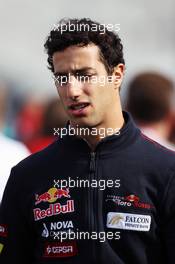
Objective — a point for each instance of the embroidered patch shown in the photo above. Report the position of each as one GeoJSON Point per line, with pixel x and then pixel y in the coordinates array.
{"type": "Point", "coordinates": [131, 200]}
{"type": "Point", "coordinates": [60, 249]}
{"type": "Point", "coordinates": [52, 229]}
{"type": "Point", "coordinates": [1, 247]}
{"type": "Point", "coordinates": [52, 195]}
{"type": "Point", "coordinates": [54, 209]}
{"type": "Point", "coordinates": [128, 221]}
{"type": "Point", "coordinates": [3, 230]}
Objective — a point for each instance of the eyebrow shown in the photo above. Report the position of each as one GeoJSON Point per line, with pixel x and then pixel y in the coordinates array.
{"type": "Point", "coordinates": [74, 71]}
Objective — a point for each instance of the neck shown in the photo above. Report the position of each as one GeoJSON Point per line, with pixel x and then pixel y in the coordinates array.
{"type": "Point", "coordinates": [112, 124]}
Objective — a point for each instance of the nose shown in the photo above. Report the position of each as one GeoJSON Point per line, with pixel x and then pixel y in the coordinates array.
{"type": "Point", "coordinates": [74, 88]}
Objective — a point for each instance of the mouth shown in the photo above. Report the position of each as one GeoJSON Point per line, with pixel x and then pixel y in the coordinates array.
{"type": "Point", "coordinates": [79, 108]}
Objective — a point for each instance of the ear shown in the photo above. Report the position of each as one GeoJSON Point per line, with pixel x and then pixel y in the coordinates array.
{"type": "Point", "coordinates": [118, 74]}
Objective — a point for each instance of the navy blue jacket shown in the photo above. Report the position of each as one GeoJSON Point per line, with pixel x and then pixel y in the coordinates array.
{"type": "Point", "coordinates": [125, 206]}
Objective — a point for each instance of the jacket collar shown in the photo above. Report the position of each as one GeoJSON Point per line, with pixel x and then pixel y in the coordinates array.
{"type": "Point", "coordinates": [108, 145]}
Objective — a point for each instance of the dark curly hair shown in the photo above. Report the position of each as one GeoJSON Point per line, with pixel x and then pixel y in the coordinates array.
{"type": "Point", "coordinates": [109, 43]}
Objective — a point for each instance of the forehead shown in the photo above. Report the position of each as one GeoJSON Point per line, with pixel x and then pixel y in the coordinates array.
{"type": "Point", "coordinates": [75, 57]}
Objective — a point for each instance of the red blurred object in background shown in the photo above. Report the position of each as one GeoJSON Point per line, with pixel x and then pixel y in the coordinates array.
{"type": "Point", "coordinates": [29, 121]}
{"type": "Point", "coordinates": [36, 123]}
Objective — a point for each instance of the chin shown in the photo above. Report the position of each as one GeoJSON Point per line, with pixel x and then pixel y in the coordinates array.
{"type": "Point", "coordinates": [82, 122]}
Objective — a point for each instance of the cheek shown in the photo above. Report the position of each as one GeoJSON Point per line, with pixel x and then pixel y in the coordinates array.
{"type": "Point", "coordinates": [88, 90]}
{"type": "Point", "coordinates": [62, 98]}
{"type": "Point", "coordinates": [61, 94]}
{"type": "Point", "coordinates": [105, 95]}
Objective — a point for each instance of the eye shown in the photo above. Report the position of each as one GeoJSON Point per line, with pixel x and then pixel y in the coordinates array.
{"type": "Point", "coordinates": [84, 77]}
{"type": "Point", "coordinates": [60, 80]}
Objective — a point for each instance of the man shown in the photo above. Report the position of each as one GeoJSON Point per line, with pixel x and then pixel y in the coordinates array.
{"type": "Point", "coordinates": [118, 189]}
{"type": "Point", "coordinates": [150, 97]}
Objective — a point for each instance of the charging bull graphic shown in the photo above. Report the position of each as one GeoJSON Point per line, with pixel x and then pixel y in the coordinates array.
{"type": "Point", "coordinates": [52, 195]}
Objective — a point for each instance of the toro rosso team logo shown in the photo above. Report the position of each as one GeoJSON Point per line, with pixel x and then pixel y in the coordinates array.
{"type": "Point", "coordinates": [52, 195]}
{"type": "Point", "coordinates": [131, 200]}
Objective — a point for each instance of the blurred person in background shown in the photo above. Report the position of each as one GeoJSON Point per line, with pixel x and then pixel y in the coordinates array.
{"type": "Point", "coordinates": [11, 151]}
{"type": "Point", "coordinates": [150, 103]}
{"type": "Point", "coordinates": [54, 116]}
{"type": "Point", "coordinates": [29, 120]}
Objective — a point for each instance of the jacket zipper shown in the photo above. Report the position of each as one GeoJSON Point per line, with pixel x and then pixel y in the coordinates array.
{"type": "Point", "coordinates": [92, 203]}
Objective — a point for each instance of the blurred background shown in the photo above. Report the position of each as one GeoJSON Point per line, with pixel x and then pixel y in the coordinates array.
{"type": "Point", "coordinates": [29, 106]}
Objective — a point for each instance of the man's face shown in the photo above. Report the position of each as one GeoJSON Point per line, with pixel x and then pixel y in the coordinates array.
{"type": "Point", "coordinates": [87, 99]}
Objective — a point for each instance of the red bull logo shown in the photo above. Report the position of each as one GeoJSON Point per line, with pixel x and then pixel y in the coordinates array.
{"type": "Point", "coordinates": [54, 209]}
{"type": "Point", "coordinates": [52, 195]}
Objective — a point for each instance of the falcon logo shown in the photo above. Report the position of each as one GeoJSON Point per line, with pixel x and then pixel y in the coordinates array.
{"type": "Point", "coordinates": [115, 219]}
{"type": "Point", "coordinates": [128, 221]}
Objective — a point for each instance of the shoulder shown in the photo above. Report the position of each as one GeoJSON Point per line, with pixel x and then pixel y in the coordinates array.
{"type": "Point", "coordinates": [32, 169]}
{"type": "Point", "coordinates": [40, 158]}
{"type": "Point", "coordinates": [156, 154]}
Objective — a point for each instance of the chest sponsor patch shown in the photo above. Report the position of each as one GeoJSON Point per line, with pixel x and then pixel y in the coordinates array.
{"type": "Point", "coordinates": [135, 222]}
{"type": "Point", "coordinates": [52, 195]}
{"type": "Point", "coordinates": [52, 229]}
{"type": "Point", "coordinates": [131, 200]}
{"type": "Point", "coordinates": [60, 249]}
{"type": "Point", "coordinates": [3, 230]}
{"type": "Point", "coordinates": [1, 247]}
{"type": "Point", "coordinates": [54, 209]}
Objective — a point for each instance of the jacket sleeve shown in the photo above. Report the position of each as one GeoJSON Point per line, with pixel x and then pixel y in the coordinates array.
{"type": "Point", "coordinates": [169, 220]}
{"type": "Point", "coordinates": [16, 241]}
